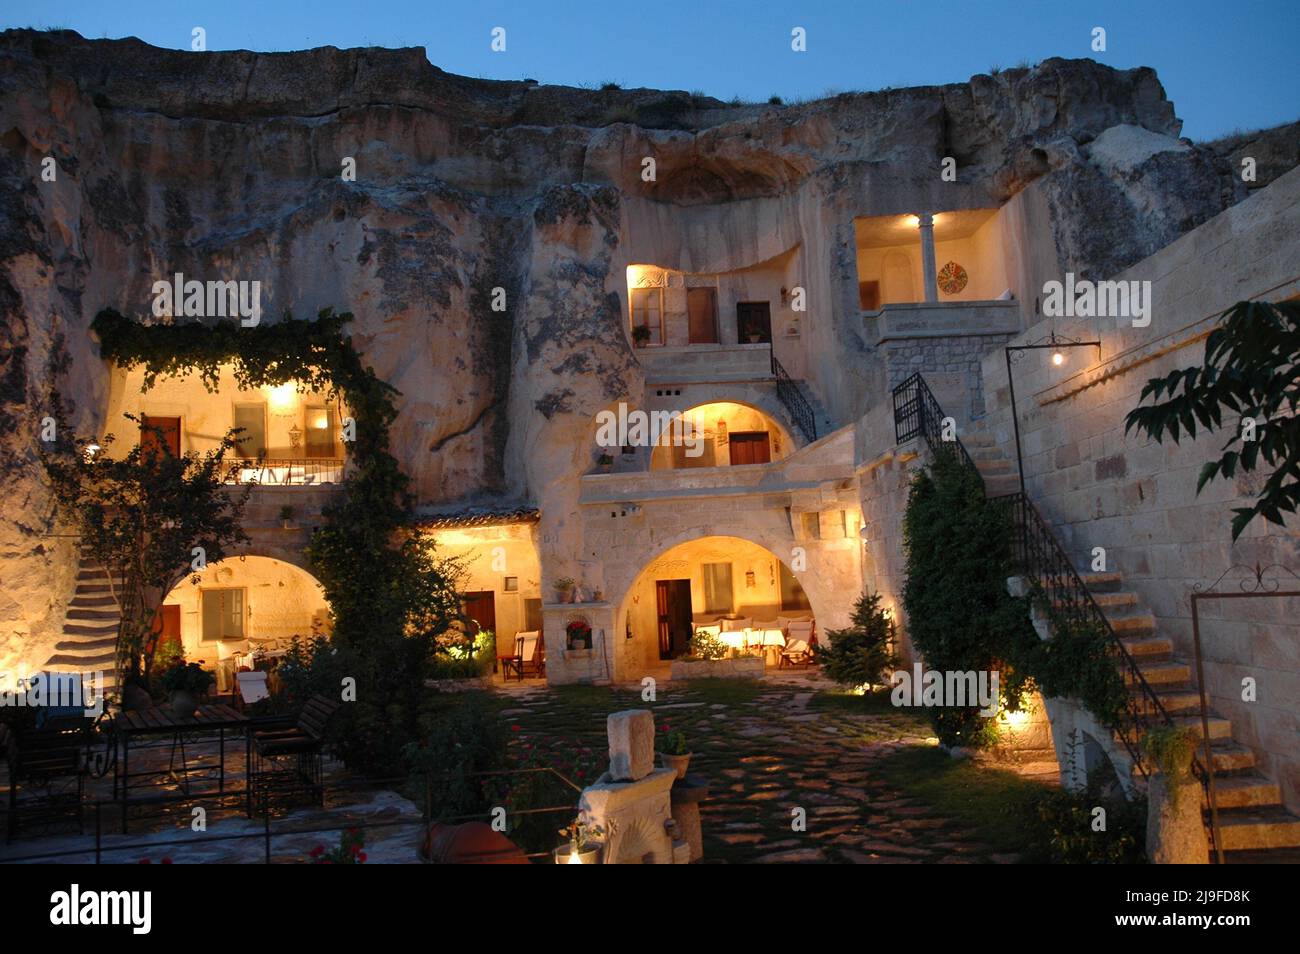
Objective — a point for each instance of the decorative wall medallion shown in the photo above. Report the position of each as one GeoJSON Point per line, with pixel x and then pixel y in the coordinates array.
{"type": "Point", "coordinates": [952, 278]}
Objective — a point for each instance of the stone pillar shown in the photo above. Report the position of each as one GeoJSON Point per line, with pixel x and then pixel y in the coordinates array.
{"type": "Point", "coordinates": [928, 272]}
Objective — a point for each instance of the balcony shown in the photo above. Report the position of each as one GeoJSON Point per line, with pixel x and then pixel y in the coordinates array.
{"type": "Point", "coordinates": [289, 472]}
{"type": "Point", "coordinates": [701, 363]}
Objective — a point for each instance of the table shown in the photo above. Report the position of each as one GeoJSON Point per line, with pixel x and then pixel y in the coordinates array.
{"type": "Point", "coordinates": [161, 721]}
{"type": "Point", "coordinates": [744, 638]}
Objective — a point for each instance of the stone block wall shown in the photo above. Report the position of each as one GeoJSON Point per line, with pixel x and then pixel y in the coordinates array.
{"type": "Point", "coordinates": [1100, 487]}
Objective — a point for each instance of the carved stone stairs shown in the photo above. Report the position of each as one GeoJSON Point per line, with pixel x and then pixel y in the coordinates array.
{"type": "Point", "coordinates": [1251, 815]}
{"type": "Point", "coordinates": [1253, 824]}
{"type": "Point", "coordinates": [89, 642]}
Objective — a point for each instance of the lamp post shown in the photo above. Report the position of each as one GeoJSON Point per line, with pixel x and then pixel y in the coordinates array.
{"type": "Point", "coordinates": [1057, 346]}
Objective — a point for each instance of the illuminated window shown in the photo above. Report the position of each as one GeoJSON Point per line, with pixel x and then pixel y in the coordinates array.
{"type": "Point", "coordinates": [648, 312]}
{"type": "Point", "coordinates": [321, 435]}
{"type": "Point", "coordinates": [223, 614]}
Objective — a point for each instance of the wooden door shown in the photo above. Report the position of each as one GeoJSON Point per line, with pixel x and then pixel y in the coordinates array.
{"type": "Point", "coordinates": [481, 607]}
{"type": "Point", "coordinates": [750, 447]}
{"type": "Point", "coordinates": [159, 432]}
{"type": "Point", "coordinates": [673, 613]}
{"type": "Point", "coordinates": [754, 321]}
{"type": "Point", "coordinates": [167, 627]}
{"type": "Point", "coordinates": [702, 307]}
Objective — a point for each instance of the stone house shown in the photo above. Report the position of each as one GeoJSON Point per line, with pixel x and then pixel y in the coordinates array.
{"type": "Point", "coordinates": [781, 271]}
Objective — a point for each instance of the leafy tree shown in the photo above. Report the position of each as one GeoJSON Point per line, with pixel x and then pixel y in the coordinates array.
{"type": "Point", "coordinates": [860, 654]}
{"type": "Point", "coordinates": [1251, 369]}
{"type": "Point", "coordinates": [148, 518]}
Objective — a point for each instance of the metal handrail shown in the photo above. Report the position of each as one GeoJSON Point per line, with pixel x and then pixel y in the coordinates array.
{"type": "Point", "coordinates": [288, 471]}
{"type": "Point", "coordinates": [1045, 564]}
{"type": "Point", "coordinates": [800, 410]}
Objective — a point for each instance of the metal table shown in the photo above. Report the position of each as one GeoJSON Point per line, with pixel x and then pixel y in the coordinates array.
{"type": "Point", "coordinates": [161, 721]}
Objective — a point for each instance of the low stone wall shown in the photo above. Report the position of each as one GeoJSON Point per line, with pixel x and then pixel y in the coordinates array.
{"type": "Point", "coordinates": [745, 667]}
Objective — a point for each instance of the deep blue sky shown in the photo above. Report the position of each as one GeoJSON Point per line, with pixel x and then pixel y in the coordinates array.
{"type": "Point", "coordinates": [1226, 64]}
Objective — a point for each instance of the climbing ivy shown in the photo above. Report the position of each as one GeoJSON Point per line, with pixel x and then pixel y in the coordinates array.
{"type": "Point", "coordinates": [390, 596]}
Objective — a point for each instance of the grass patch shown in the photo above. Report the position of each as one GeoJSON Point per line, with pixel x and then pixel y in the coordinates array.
{"type": "Point", "coordinates": [850, 703]}
{"type": "Point", "coordinates": [994, 804]}
{"type": "Point", "coordinates": [730, 692]}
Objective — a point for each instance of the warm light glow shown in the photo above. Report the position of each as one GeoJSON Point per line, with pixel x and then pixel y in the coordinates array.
{"type": "Point", "coordinates": [282, 395]}
{"type": "Point", "coordinates": [1016, 719]}
{"type": "Point", "coordinates": [574, 858]}
{"type": "Point", "coordinates": [91, 450]}
{"type": "Point", "coordinates": [321, 421]}
{"type": "Point", "coordinates": [1058, 358]}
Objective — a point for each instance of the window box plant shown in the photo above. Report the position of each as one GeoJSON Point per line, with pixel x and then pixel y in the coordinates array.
{"type": "Point", "coordinates": [186, 683]}
{"type": "Point", "coordinates": [605, 461]}
{"type": "Point", "coordinates": [286, 517]}
{"type": "Point", "coordinates": [640, 335]}
{"type": "Point", "coordinates": [579, 633]}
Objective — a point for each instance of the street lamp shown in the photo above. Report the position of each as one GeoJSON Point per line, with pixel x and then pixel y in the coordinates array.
{"type": "Point", "coordinates": [1057, 345]}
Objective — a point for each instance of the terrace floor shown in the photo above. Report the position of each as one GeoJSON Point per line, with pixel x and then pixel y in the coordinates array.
{"type": "Point", "coordinates": [873, 786]}
{"type": "Point", "coordinates": [793, 741]}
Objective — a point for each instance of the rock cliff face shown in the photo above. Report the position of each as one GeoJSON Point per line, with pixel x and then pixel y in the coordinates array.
{"type": "Point", "coordinates": [227, 166]}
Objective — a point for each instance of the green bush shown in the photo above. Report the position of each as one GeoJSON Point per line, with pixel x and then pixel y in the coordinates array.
{"type": "Point", "coordinates": [705, 645]}
{"type": "Point", "coordinates": [960, 616]}
{"type": "Point", "coordinates": [860, 654]}
{"type": "Point", "coordinates": [1066, 828]}
{"type": "Point", "coordinates": [457, 741]}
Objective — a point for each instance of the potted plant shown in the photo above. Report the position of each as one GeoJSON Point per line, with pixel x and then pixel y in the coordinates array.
{"type": "Point", "coordinates": [286, 517]}
{"type": "Point", "coordinates": [564, 589]}
{"type": "Point", "coordinates": [605, 461]}
{"type": "Point", "coordinates": [674, 751]}
{"type": "Point", "coordinates": [582, 847]}
{"type": "Point", "coordinates": [579, 633]}
{"type": "Point", "coordinates": [186, 683]}
{"type": "Point", "coordinates": [640, 335]}
{"type": "Point", "coordinates": [751, 332]}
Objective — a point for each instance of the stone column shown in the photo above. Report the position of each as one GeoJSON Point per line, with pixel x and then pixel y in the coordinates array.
{"type": "Point", "coordinates": [928, 271]}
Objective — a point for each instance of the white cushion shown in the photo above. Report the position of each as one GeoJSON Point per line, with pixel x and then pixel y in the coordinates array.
{"type": "Point", "coordinates": [800, 629]}
{"type": "Point", "coordinates": [767, 624]}
{"type": "Point", "coordinates": [252, 686]}
{"type": "Point", "coordinates": [736, 625]}
{"type": "Point", "coordinates": [526, 644]}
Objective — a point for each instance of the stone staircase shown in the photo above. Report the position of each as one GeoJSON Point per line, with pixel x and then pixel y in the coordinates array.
{"type": "Point", "coordinates": [1253, 824]}
{"type": "Point", "coordinates": [89, 642]}
{"type": "Point", "coordinates": [825, 423]}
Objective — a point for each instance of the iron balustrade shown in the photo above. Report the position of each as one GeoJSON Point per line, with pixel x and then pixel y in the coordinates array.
{"type": "Point", "coordinates": [1054, 582]}
{"type": "Point", "coordinates": [800, 410]}
{"type": "Point", "coordinates": [918, 414]}
{"type": "Point", "coordinates": [289, 472]}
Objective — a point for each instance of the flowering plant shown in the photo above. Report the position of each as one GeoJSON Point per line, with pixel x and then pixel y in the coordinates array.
{"type": "Point", "coordinates": [347, 853]}
{"type": "Point", "coordinates": [580, 832]}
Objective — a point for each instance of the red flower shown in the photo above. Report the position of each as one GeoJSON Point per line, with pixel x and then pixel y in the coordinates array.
{"type": "Point", "coordinates": [361, 858]}
{"type": "Point", "coordinates": [318, 851]}
{"type": "Point", "coordinates": [514, 728]}
{"type": "Point", "coordinates": [166, 861]}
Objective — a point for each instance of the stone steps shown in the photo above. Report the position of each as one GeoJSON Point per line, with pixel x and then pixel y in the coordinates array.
{"type": "Point", "coordinates": [1255, 828]}
{"type": "Point", "coordinates": [1251, 816]}
{"type": "Point", "coordinates": [89, 642]}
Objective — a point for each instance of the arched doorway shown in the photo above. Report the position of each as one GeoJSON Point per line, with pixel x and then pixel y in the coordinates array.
{"type": "Point", "coordinates": [242, 603]}
{"type": "Point", "coordinates": [721, 434]}
{"type": "Point", "coordinates": [704, 581]}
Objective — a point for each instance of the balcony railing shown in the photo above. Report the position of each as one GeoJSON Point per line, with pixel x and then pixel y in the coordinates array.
{"type": "Point", "coordinates": [800, 410]}
{"type": "Point", "coordinates": [289, 472]}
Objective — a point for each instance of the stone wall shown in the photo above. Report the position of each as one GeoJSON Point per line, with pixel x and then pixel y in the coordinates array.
{"type": "Point", "coordinates": [1099, 487]}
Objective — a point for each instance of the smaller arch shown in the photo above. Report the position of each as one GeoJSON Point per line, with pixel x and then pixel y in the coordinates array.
{"type": "Point", "coordinates": [708, 437]}
{"type": "Point", "coordinates": [236, 603]}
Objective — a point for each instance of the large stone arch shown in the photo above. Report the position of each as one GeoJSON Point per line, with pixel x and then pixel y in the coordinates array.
{"type": "Point", "coordinates": [759, 395]}
{"type": "Point", "coordinates": [823, 596]}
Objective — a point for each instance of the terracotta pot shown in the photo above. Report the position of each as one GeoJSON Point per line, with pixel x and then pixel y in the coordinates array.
{"type": "Point", "coordinates": [677, 762]}
{"type": "Point", "coordinates": [184, 703]}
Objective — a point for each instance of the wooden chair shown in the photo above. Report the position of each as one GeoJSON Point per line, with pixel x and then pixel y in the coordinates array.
{"type": "Point", "coordinates": [799, 642]}
{"type": "Point", "coordinates": [288, 760]}
{"type": "Point", "coordinates": [529, 658]}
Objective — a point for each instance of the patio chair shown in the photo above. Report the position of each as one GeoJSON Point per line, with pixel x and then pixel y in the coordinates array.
{"type": "Point", "coordinates": [251, 687]}
{"type": "Point", "coordinates": [529, 658]}
{"type": "Point", "coordinates": [47, 777]}
{"type": "Point", "coordinates": [288, 761]}
{"type": "Point", "coordinates": [799, 642]}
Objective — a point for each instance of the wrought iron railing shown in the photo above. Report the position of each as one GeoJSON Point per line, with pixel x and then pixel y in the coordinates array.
{"type": "Point", "coordinates": [1056, 586]}
{"type": "Point", "coordinates": [289, 472]}
{"type": "Point", "coordinates": [918, 414]}
{"type": "Point", "coordinates": [800, 410]}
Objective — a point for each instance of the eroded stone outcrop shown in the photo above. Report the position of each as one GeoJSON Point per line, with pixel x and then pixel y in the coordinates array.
{"type": "Point", "coordinates": [227, 165]}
